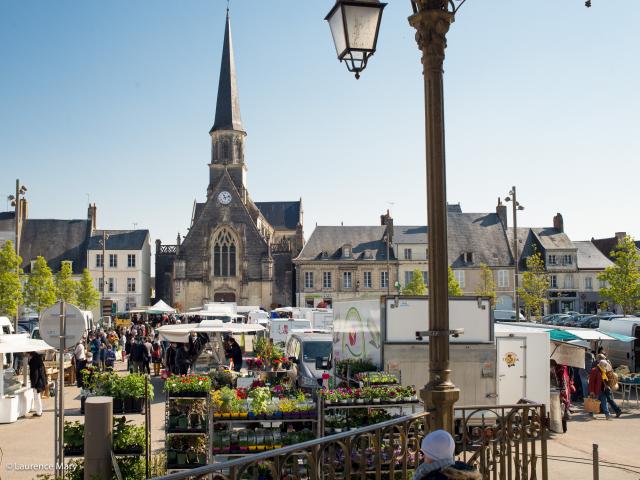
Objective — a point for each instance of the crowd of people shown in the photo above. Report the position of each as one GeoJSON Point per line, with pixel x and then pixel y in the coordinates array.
{"type": "Point", "coordinates": [142, 348]}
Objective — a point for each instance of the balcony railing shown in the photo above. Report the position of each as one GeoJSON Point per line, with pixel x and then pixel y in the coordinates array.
{"type": "Point", "coordinates": [504, 442]}
{"type": "Point", "coordinates": [386, 450]}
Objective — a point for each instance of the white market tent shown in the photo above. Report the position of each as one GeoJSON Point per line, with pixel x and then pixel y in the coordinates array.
{"type": "Point", "coordinates": [161, 307]}
{"type": "Point", "coordinates": [18, 343]}
{"type": "Point", "coordinates": [180, 333]}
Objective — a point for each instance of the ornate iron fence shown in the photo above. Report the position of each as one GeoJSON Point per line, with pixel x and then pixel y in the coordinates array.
{"type": "Point", "coordinates": [504, 442]}
{"type": "Point", "coordinates": [384, 451]}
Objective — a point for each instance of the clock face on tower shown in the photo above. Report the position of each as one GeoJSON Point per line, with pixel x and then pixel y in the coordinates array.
{"type": "Point", "coordinates": [224, 197]}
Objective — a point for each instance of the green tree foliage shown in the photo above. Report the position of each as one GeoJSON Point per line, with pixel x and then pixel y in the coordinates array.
{"type": "Point", "coordinates": [40, 291]}
{"type": "Point", "coordinates": [623, 277]}
{"type": "Point", "coordinates": [535, 283]}
{"type": "Point", "coordinates": [487, 287]}
{"type": "Point", "coordinates": [10, 287]}
{"type": "Point", "coordinates": [416, 286]}
{"type": "Point", "coordinates": [454, 286]}
{"type": "Point", "coordinates": [66, 287]}
{"type": "Point", "coordinates": [86, 295]}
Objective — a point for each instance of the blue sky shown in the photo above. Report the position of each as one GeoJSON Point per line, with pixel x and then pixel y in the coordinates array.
{"type": "Point", "coordinates": [115, 100]}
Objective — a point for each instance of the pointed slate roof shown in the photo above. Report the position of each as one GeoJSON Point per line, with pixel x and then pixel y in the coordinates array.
{"type": "Point", "coordinates": [228, 104]}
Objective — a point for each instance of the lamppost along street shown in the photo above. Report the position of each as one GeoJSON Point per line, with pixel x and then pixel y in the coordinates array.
{"type": "Point", "coordinates": [354, 26]}
{"type": "Point", "coordinates": [16, 202]}
{"type": "Point", "coordinates": [516, 206]}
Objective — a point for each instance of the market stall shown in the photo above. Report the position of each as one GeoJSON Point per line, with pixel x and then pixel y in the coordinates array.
{"type": "Point", "coordinates": [16, 398]}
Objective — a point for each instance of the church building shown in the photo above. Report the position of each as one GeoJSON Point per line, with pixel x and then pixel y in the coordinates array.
{"type": "Point", "coordinates": [236, 250]}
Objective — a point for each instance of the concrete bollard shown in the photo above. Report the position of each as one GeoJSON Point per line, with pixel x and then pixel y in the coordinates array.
{"type": "Point", "coordinates": [98, 430]}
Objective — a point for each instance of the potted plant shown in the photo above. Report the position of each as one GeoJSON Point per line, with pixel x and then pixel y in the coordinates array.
{"type": "Point", "coordinates": [127, 438]}
{"type": "Point", "coordinates": [376, 394]}
{"type": "Point", "coordinates": [73, 437]}
{"type": "Point", "coordinates": [260, 400]}
{"type": "Point", "coordinates": [188, 385]}
{"type": "Point", "coordinates": [196, 413]}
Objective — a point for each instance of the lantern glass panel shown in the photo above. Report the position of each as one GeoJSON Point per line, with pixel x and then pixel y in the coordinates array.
{"type": "Point", "coordinates": [337, 31]}
{"type": "Point", "coordinates": [362, 23]}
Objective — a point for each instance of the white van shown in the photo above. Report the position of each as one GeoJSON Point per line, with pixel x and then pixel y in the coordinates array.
{"type": "Point", "coordinates": [280, 328]}
{"type": "Point", "coordinates": [308, 349]}
{"type": "Point", "coordinates": [6, 326]}
{"type": "Point", "coordinates": [623, 353]}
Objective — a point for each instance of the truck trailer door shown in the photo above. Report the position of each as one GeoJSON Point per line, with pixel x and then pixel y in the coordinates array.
{"type": "Point", "coordinates": [511, 370]}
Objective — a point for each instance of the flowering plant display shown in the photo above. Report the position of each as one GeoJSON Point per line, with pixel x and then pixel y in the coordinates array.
{"type": "Point", "coordinates": [377, 378]}
{"type": "Point", "coordinates": [187, 384]}
{"type": "Point", "coordinates": [255, 363]}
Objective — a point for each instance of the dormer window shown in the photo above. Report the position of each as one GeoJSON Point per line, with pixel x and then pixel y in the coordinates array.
{"type": "Point", "coordinates": [467, 257]}
{"type": "Point", "coordinates": [346, 251]}
{"type": "Point", "coordinates": [325, 255]}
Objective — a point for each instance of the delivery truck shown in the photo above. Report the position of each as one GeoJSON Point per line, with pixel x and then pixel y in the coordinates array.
{"type": "Point", "coordinates": [490, 367]}
{"type": "Point", "coordinates": [623, 353]}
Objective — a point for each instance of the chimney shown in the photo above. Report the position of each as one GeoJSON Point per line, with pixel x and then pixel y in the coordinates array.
{"type": "Point", "coordinates": [620, 236]}
{"type": "Point", "coordinates": [24, 207]}
{"type": "Point", "coordinates": [178, 239]}
{"type": "Point", "coordinates": [91, 215]}
{"type": "Point", "coordinates": [501, 211]}
{"type": "Point", "coordinates": [387, 221]}
{"type": "Point", "coordinates": [558, 222]}
{"type": "Point", "coordinates": [158, 245]}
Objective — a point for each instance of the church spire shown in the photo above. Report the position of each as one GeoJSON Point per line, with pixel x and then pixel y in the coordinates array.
{"type": "Point", "coordinates": [228, 104]}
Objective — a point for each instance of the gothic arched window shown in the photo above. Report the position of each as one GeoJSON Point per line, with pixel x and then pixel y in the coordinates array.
{"type": "Point", "coordinates": [224, 255]}
{"type": "Point", "coordinates": [225, 151]}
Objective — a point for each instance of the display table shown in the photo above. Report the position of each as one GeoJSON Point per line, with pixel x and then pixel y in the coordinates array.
{"type": "Point", "coordinates": [626, 389]}
{"type": "Point", "coordinates": [16, 405]}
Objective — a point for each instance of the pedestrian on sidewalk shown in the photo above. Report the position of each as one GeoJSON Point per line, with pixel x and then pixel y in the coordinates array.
{"type": "Point", "coordinates": [156, 358]}
{"type": "Point", "coordinates": [600, 389]}
{"type": "Point", "coordinates": [38, 379]}
{"type": "Point", "coordinates": [80, 358]}
{"type": "Point", "coordinates": [437, 450]}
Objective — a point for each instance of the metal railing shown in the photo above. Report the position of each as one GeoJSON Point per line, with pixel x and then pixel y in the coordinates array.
{"type": "Point", "coordinates": [385, 450]}
{"type": "Point", "coordinates": [504, 442]}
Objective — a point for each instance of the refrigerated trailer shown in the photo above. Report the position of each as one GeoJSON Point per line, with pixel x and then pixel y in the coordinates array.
{"type": "Point", "coordinates": [490, 365]}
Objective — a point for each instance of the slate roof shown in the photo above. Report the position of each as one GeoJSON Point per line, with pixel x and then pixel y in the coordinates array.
{"type": "Point", "coordinates": [607, 245]}
{"type": "Point", "coordinates": [7, 221]}
{"type": "Point", "coordinates": [55, 240]}
{"type": "Point", "coordinates": [281, 215]}
{"type": "Point", "coordinates": [589, 257]}
{"type": "Point", "coordinates": [228, 104]}
{"type": "Point", "coordinates": [480, 233]}
{"type": "Point", "coordinates": [526, 245]}
{"type": "Point", "coordinates": [552, 238]}
{"type": "Point", "coordinates": [119, 240]}
{"type": "Point", "coordinates": [366, 243]}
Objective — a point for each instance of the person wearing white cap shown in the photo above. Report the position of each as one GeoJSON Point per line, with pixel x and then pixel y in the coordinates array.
{"type": "Point", "coordinates": [438, 449]}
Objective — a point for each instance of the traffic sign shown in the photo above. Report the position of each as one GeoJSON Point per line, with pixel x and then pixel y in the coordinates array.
{"type": "Point", "coordinates": [50, 325]}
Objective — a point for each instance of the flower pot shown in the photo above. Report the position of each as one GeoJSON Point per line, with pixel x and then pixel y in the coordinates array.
{"type": "Point", "coordinates": [202, 458]}
{"type": "Point", "coordinates": [406, 399]}
{"type": "Point", "coordinates": [242, 415]}
{"type": "Point", "coordinates": [181, 458]}
{"type": "Point", "coordinates": [344, 401]}
{"type": "Point", "coordinates": [183, 422]}
{"type": "Point", "coordinates": [251, 415]}
{"type": "Point", "coordinates": [195, 420]}
{"type": "Point", "coordinates": [173, 421]}
{"type": "Point", "coordinates": [171, 457]}
{"type": "Point", "coordinates": [360, 400]}
{"type": "Point", "coordinates": [192, 457]}
{"type": "Point", "coordinates": [376, 400]}
{"type": "Point", "coordinates": [118, 405]}
{"type": "Point", "coordinates": [337, 430]}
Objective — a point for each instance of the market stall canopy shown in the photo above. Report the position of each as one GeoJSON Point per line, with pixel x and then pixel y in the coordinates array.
{"type": "Point", "coordinates": [562, 336]}
{"type": "Point", "coordinates": [180, 333]}
{"type": "Point", "coordinates": [20, 343]}
{"type": "Point", "coordinates": [620, 337]}
{"type": "Point", "coordinates": [567, 335]}
{"type": "Point", "coordinates": [566, 354]}
{"type": "Point", "coordinates": [161, 307]}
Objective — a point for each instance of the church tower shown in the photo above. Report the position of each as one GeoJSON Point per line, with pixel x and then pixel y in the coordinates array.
{"type": "Point", "coordinates": [227, 133]}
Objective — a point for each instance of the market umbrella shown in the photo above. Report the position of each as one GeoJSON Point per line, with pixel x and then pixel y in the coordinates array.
{"type": "Point", "coordinates": [18, 343]}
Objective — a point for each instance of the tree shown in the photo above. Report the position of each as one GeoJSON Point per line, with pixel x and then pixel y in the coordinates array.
{"type": "Point", "coordinates": [86, 294]}
{"type": "Point", "coordinates": [623, 277]}
{"type": "Point", "coordinates": [40, 291]}
{"type": "Point", "coordinates": [10, 287]}
{"type": "Point", "coordinates": [487, 287]}
{"type": "Point", "coordinates": [535, 283]}
{"type": "Point", "coordinates": [66, 287]}
{"type": "Point", "coordinates": [416, 286]}
{"type": "Point", "coordinates": [453, 285]}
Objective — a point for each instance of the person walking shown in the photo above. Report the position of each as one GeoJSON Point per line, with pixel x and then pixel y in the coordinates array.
{"type": "Point", "coordinates": [138, 351]}
{"type": "Point", "coordinates": [156, 358]}
{"type": "Point", "coordinates": [600, 389]}
{"type": "Point", "coordinates": [38, 379]}
{"type": "Point", "coordinates": [437, 450]}
{"type": "Point", "coordinates": [80, 358]}
{"type": "Point", "coordinates": [183, 359]}
{"type": "Point", "coordinates": [148, 350]}
{"type": "Point", "coordinates": [170, 358]}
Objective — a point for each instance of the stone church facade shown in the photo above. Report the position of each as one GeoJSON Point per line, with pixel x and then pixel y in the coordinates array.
{"type": "Point", "coordinates": [236, 250]}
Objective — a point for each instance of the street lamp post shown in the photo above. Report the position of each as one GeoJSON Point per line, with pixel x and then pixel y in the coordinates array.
{"type": "Point", "coordinates": [358, 25]}
{"type": "Point", "coordinates": [516, 206]}
{"type": "Point", "coordinates": [16, 202]}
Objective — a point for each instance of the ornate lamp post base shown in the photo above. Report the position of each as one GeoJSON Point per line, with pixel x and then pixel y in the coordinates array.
{"type": "Point", "coordinates": [439, 403]}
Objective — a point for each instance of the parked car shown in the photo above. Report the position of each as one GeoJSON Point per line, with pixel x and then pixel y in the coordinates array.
{"type": "Point", "coordinates": [507, 316]}
{"type": "Point", "coordinates": [560, 319]}
{"type": "Point", "coordinates": [583, 321]}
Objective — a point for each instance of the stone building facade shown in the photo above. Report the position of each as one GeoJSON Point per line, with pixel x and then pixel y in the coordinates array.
{"type": "Point", "coordinates": [236, 250]}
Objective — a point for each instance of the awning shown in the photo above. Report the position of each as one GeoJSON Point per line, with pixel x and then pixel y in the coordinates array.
{"type": "Point", "coordinates": [620, 337]}
{"type": "Point", "coordinates": [562, 335]}
{"type": "Point", "coordinates": [180, 333]}
{"type": "Point", "coordinates": [21, 343]}
{"type": "Point", "coordinates": [565, 354]}
{"type": "Point", "coordinates": [161, 307]}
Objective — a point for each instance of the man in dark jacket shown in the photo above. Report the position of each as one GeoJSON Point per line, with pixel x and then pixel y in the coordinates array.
{"type": "Point", "coordinates": [438, 449]}
{"type": "Point", "coordinates": [183, 359]}
{"type": "Point", "coordinates": [234, 352]}
{"type": "Point", "coordinates": [38, 379]}
{"type": "Point", "coordinates": [170, 358]}
{"type": "Point", "coordinates": [138, 352]}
